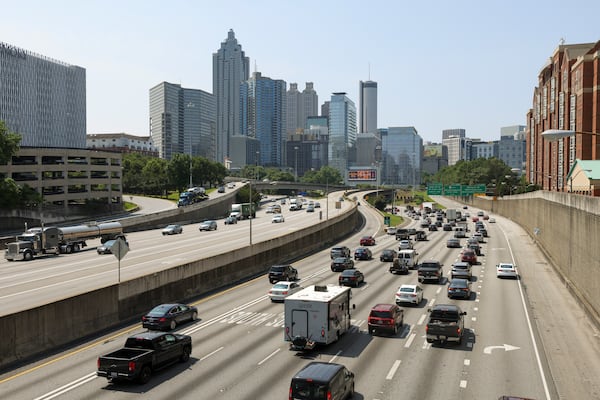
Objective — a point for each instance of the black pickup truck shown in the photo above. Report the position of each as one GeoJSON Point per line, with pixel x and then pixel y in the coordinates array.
{"type": "Point", "coordinates": [143, 354]}
{"type": "Point", "coordinates": [446, 323]}
{"type": "Point", "coordinates": [430, 270]}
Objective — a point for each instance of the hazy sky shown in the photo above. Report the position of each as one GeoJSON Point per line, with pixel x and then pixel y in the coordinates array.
{"type": "Point", "coordinates": [438, 64]}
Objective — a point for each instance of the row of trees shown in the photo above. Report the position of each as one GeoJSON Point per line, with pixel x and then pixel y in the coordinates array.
{"type": "Point", "coordinates": [155, 176]}
{"type": "Point", "coordinates": [324, 175]}
{"type": "Point", "coordinates": [493, 172]}
{"type": "Point", "coordinates": [11, 194]}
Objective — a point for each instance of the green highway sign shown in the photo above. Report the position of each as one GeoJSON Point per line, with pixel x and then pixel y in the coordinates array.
{"type": "Point", "coordinates": [452, 190]}
{"type": "Point", "coordinates": [434, 189]}
{"type": "Point", "coordinates": [472, 189]}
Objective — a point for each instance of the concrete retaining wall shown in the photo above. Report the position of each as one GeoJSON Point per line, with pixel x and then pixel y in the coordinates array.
{"type": "Point", "coordinates": [567, 228]}
{"type": "Point", "coordinates": [32, 332]}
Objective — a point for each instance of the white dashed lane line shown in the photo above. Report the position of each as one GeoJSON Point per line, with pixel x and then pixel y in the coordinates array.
{"type": "Point", "coordinates": [393, 370]}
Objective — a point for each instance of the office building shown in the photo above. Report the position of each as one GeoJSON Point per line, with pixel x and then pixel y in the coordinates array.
{"type": "Point", "coordinates": [368, 106]}
{"type": "Point", "coordinates": [342, 131]}
{"type": "Point", "coordinates": [122, 143]}
{"type": "Point", "coordinates": [484, 149]}
{"type": "Point", "coordinates": [42, 99]}
{"type": "Point", "coordinates": [435, 157]}
{"type": "Point", "coordinates": [182, 121]}
{"type": "Point", "coordinates": [565, 99]}
{"type": "Point", "coordinates": [459, 148]}
{"type": "Point", "coordinates": [402, 150]}
{"type": "Point", "coordinates": [512, 146]}
{"type": "Point", "coordinates": [300, 106]}
{"type": "Point", "coordinates": [263, 116]}
{"type": "Point", "coordinates": [447, 133]}
{"type": "Point", "coordinates": [230, 68]}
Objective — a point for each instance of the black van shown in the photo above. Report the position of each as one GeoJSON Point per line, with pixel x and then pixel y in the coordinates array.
{"type": "Point", "coordinates": [322, 381]}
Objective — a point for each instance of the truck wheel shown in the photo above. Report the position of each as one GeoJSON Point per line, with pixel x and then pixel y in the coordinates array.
{"type": "Point", "coordinates": [145, 374]}
{"type": "Point", "coordinates": [76, 248]}
{"type": "Point", "coordinates": [27, 256]}
{"type": "Point", "coordinates": [194, 316]}
{"type": "Point", "coordinates": [173, 324]}
{"type": "Point", "coordinates": [351, 394]}
{"type": "Point", "coordinates": [68, 249]}
{"type": "Point", "coordinates": [185, 355]}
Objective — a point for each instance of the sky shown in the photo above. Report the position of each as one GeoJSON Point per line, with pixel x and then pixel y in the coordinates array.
{"type": "Point", "coordinates": [438, 64]}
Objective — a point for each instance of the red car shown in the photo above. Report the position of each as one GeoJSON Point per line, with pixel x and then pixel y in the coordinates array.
{"type": "Point", "coordinates": [475, 219]}
{"type": "Point", "coordinates": [469, 256]}
{"type": "Point", "coordinates": [367, 241]}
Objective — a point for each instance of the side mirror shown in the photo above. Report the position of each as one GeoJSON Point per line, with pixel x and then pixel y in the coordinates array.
{"type": "Point", "coordinates": [429, 310]}
{"type": "Point", "coordinates": [463, 313]}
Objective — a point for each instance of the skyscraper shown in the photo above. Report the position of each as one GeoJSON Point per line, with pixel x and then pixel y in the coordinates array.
{"type": "Point", "coordinates": [42, 99]}
{"type": "Point", "coordinates": [182, 121]}
{"type": "Point", "coordinates": [300, 105]}
{"type": "Point", "coordinates": [368, 106]}
{"type": "Point", "coordinates": [230, 68]}
{"type": "Point", "coordinates": [402, 150]}
{"type": "Point", "coordinates": [342, 131]}
{"type": "Point", "coordinates": [263, 116]}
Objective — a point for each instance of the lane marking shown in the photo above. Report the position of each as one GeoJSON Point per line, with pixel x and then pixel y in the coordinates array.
{"type": "Point", "coordinates": [390, 374]}
{"type": "Point", "coordinates": [535, 346]}
{"type": "Point", "coordinates": [431, 302]}
{"type": "Point", "coordinates": [438, 291]}
{"type": "Point", "coordinates": [68, 387]}
{"type": "Point", "coordinates": [422, 319]}
{"type": "Point", "coordinates": [463, 384]}
{"type": "Point", "coordinates": [336, 356]}
{"type": "Point", "coordinates": [410, 340]}
{"type": "Point", "coordinates": [467, 362]}
{"type": "Point", "coordinates": [269, 356]}
{"type": "Point", "coordinates": [212, 353]}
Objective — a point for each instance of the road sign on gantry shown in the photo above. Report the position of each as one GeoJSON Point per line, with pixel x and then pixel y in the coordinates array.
{"type": "Point", "coordinates": [453, 190]}
{"type": "Point", "coordinates": [473, 189]}
{"type": "Point", "coordinates": [434, 189]}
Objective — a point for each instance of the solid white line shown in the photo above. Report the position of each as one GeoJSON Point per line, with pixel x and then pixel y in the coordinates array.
{"type": "Point", "coordinates": [68, 387]}
{"type": "Point", "coordinates": [269, 356]}
{"type": "Point", "coordinates": [336, 356]}
{"type": "Point", "coordinates": [393, 370]}
{"type": "Point", "coordinates": [535, 347]}
{"type": "Point", "coordinates": [212, 353]}
{"type": "Point", "coordinates": [410, 339]}
{"type": "Point", "coordinates": [422, 319]}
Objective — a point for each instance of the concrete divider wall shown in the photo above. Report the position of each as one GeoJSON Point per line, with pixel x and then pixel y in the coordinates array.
{"type": "Point", "coordinates": [42, 329]}
{"type": "Point", "coordinates": [568, 231]}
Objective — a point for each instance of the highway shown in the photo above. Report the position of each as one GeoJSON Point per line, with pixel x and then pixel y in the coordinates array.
{"type": "Point", "coordinates": [239, 352]}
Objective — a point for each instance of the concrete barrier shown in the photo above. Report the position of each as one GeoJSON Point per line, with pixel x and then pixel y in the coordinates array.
{"type": "Point", "coordinates": [34, 332]}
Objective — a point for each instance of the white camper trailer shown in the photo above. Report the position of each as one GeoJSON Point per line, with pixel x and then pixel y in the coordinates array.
{"type": "Point", "coordinates": [316, 315]}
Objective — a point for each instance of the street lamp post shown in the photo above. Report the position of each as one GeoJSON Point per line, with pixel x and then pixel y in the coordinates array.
{"type": "Point", "coordinates": [251, 216]}
{"type": "Point", "coordinates": [296, 164]}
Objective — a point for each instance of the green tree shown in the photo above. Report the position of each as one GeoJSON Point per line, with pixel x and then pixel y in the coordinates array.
{"type": "Point", "coordinates": [133, 165]}
{"type": "Point", "coordinates": [324, 175]}
{"type": "Point", "coordinates": [9, 144]}
{"type": "Point", "coordinates": [154, 176]}
{"type": "Point", "coordinates": [178, 171]}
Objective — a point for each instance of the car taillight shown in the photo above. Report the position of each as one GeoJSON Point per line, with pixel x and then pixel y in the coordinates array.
{"type": "Point", "coordinates": [131, 366]}
{"type": "Point", "coordinates": [98, 362]}
{"type": "Point", "coordinates": [290, 397]}
{"type": "Point", "coordinates": [458, 331]}
{"type": "Point", "coordinates": [329, 395]}
{"type": "Point", "coordinates": [322, 332]}
{"type": "Point", "coordinates": [162, 319]}
{"type": "Point", "coordinates": [426, 328]}
{"type": "Point", "coordinates": [284, 292]}
{"type": "Point", "coordinates": [144, 318]}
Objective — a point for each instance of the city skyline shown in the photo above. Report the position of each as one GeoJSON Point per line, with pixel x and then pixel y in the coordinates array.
{"type": "Point", "coordinates": [456, 66]}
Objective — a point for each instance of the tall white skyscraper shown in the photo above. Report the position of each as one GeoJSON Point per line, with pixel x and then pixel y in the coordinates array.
{"type": "Point", "coordinates": [230, 68]}
{"type": "Point", "coordinates": [368, 106]}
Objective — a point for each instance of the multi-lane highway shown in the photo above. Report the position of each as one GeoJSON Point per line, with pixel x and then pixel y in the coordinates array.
{"type": "Point", "coordinates": [239, 352]}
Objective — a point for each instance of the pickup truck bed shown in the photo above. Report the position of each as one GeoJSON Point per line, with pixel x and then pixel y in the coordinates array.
{"type": "Point", "coordinates": [445, 323]}
{"type": "Point", "coordinates": [143, 354]}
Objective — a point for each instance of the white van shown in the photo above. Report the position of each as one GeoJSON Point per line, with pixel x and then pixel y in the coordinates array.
{"type": "Point", "coordinates": [410, 256]}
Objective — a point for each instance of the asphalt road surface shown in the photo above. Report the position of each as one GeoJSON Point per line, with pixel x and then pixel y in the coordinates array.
{"type": "Point", "coordinates": [520, 333]}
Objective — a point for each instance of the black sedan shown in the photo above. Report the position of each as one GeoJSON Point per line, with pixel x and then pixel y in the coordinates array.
{"type": "Point", "coordinates": [341, 263]}
{"type": "Point", "coordinates": [351, 277]}
{"type": "Point", "coordinates": [168, 316]}
{"type": "Point", "coordinates": [388, 255]}
{"type": "Point", "coordinates": [459, 288]}
{"type": "Point", "coordinates": [362, 253]}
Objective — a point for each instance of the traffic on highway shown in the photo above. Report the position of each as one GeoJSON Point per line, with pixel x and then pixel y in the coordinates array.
{"type": "Point", "coordinates": [439, 344]}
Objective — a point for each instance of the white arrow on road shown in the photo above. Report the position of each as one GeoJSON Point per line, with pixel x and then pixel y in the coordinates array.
{"type": "Point", "coordinates": [506, 347]}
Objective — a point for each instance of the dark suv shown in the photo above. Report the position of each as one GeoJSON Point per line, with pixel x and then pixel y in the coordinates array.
{"type": "Point", "coordinates": [282, 273]}
{"type": "Point", "coordinates": [341, 263]}
{"type": "Point", "coordinates": [320, 380]}
{"type": "Point", "coordinates": [386, 317]}
{"type": "Point", "coordinates": [340, 251]}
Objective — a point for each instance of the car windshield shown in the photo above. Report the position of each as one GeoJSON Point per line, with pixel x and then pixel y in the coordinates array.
{"type": "Point", "coordinates": [159, 310]}
{"type": "Point", "coordinates": [171, 226]}
{"type": "Point", "coordinates": [309, 390]}
{"type": "Point", "coordinates": [407, 290]}
{"type": "Point", "coordinates": [109, 243]}
{"type": "Point", "coordinates": [281, 286]}
{"type": "Point", "coordinates": [348, 272]}
{"type": "Point", "coordinates": [277, 269]}
{"type": "Point", "coordinates": [380, 314]}
{"type": "Point", "coordinates": [340, 260]}
{"type": "Point", "coordinates": [458, 283]}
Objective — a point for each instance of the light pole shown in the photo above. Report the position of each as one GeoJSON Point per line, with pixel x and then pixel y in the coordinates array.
{"type": "Point", "coordinates": [296, 164]}
{"type": "Point", "coordinates": [327, 198]}
{"type": "Point", "coordinates": [250, 217]}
